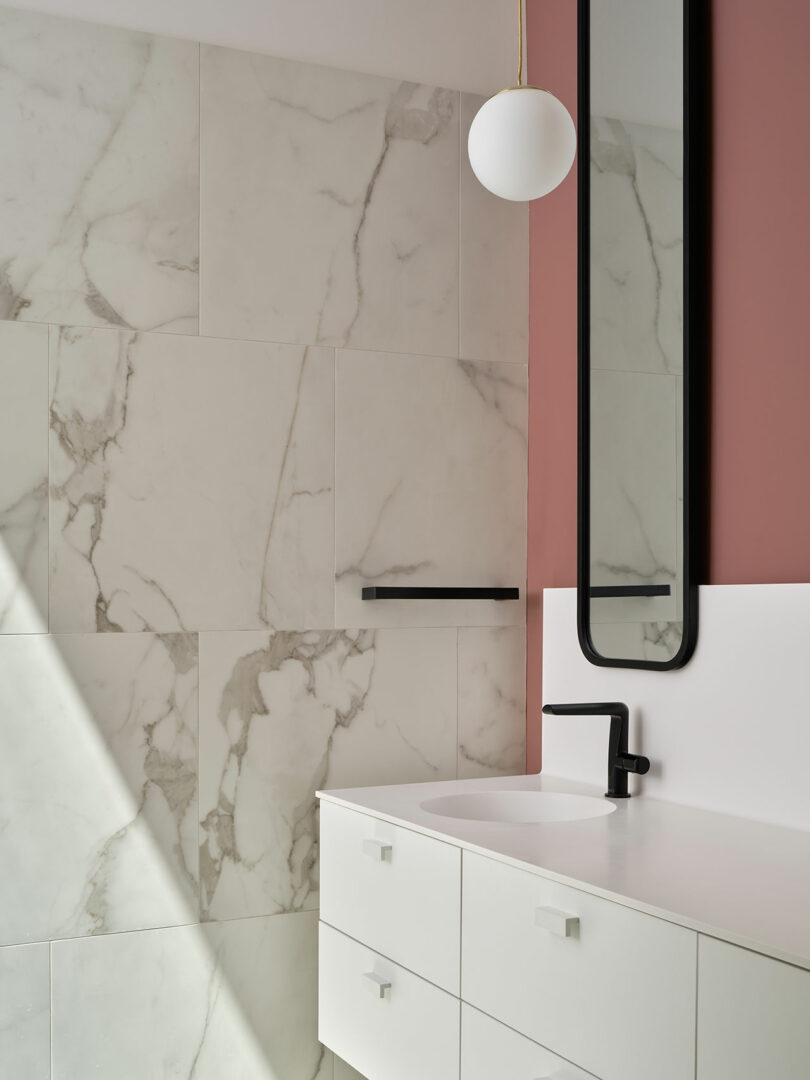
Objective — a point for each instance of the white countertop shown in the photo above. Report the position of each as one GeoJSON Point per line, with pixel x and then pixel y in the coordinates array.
{"type": "Point", "coordinates": [730, 877]}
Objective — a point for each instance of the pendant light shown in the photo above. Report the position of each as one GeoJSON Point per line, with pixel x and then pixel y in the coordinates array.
{"type": "Point", "coordinates": [522, 141]}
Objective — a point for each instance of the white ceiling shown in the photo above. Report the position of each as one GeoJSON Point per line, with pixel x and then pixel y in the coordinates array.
{"type": "Point", "coordinates": [461, 44]}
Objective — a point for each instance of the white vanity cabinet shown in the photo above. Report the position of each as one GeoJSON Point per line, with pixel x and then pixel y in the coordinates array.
{"type": "Point", "coordinates": [600, 984]}
{"type": "Point", "coordinates": [442, 963]}
{"type": "Point", "coordinates": [753, 1015]}
{"type": "Point", "coordinates": [393, 889]}
{"type": "Point", "coordinates": [490, 1050]}
{"type": "Point", "coordinates": [382, 1019]}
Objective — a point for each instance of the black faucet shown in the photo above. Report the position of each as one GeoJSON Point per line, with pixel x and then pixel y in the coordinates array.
{"type": "Point", "coordinates": [620, 763]}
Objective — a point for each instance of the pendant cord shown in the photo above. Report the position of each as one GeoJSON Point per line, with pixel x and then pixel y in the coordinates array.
{"type": "Point", "coordinates": [520, 43]}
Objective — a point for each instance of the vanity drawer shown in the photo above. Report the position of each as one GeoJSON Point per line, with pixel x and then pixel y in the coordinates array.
{"type": "Point", "coordinates": [490, 1050]}
{"type": "Point", "coordinates": [610, 989]}
{"type": "Point", "coordinates": [395, 890]}
{"type": "Point", "coordinates": [383, 1020]}
{"type": "Point", "coordinates": [753, 1015]}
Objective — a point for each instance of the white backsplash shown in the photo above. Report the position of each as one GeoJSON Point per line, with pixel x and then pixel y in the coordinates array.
{"type": "Point", "coordinates": [729, 732]}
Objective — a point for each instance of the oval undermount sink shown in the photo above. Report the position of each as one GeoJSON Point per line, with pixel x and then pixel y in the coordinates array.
{"type": "Point", "coordinates": [518, 807]}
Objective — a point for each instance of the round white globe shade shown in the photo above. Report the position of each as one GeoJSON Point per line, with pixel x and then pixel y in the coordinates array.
{"type": "Point", "coordinates": [522, 143]}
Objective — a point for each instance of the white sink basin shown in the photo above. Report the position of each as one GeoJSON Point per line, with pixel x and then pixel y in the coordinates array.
{"type": "Point", "coordinates": [518, 807]}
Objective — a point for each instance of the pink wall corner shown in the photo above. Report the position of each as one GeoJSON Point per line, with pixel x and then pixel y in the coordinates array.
{"type": "Point", "coordinates": [759, 515]}
{"type": "Point", "coordinates": [760, 472]}
{"type": "Point", "coordinates": [551, 27]}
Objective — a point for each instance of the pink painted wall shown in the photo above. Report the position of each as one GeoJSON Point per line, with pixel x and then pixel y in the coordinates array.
{"type": "Point", "coordinates": [760, 399]}
{"type": "Point", "coordinates": [552, 54]}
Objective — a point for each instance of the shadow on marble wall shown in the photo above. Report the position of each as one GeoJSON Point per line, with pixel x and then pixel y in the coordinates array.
{"type": "Point", "coordinates": [98, 783]}
{"type": "Point", "coordinates": [98, 838]}
{"type": "Point", "coordinates": [181, 663]}
{"type": "Point", "coordinates": [101, 810]}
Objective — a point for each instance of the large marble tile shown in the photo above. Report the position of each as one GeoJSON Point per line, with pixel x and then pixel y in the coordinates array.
{"type": "Point", "coordinates": [329, 206]}
{"type": "Point", "coordinates": [227, 1000]}
{"type": "Point", "coordinates": [493, 264]}
{"type": "Point", "coordinates": [283, 715]}
{"type": "Point", "coordinates": [100, 162]}
{"type": "Point", "coordinates": [634, 492]}
{"type": "Point", "coordinates": [491, 701]}
{"type": "Point", "coordinates": [23, 479]}
{"type": "Point", "coordinates": [430, 476]}
{"type": "Point", "coordinates": [636, 247]}
{"type": "Point", "coordinates": [98, 784]}
{"type": "Point", "coordinates": [191, 483]}
{"type": "Point", "coordinates": [25, 1012]}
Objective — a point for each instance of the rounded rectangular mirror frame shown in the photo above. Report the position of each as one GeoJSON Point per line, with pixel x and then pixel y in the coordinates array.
{"type": "Point", "coordinates": [696, 252]}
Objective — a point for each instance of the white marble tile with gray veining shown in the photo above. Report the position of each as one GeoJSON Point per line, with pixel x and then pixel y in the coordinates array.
{"type": "Point", "coordinates": [98, 784]}
{"type": "Point", "coordinates": [286, 714]}
{"type": "Point", "coordinates": [657, 641]}
{"type": "Point", "coordinates": [493, 264]}
{"type": "Point", "coordinates": [231, 1000]}
{"type": "Point", "coordinates": [431, 473]}
{"type": "Point", "coordinates": [329, 206]}
{"type": "Point", "coordinates": [491, 701]}
{"type": "Point", "coordinates": [99, 223]}
{"type": "Point", "coordinates": [25, 1012]}
{"type": "Point", "coordinates": [191, 483]}
{"type": "Point", "coordinates": [23, 479]}
{"type": "Point", "coordinates": [636, 247]}
{"type": "Point", "coordinates": [633, 537]}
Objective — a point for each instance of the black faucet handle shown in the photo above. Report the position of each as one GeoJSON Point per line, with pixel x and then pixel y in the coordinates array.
{"type": "Point", "coordinates": [620, 760]}
{"type": "Point", "coordinates": [634, 763]}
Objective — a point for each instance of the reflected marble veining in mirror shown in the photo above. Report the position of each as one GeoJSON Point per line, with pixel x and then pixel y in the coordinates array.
{"type": "Point", "coordinates": [636, 328]}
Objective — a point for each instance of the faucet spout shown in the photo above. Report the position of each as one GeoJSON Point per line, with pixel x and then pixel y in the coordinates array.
{"type": "Point", "coordinates": [620, 761]}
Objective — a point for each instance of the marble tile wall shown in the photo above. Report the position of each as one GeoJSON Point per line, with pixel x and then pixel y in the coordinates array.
{"type": "Point", "coordinates": [25, 1011]}
{"type": "Point", "coordinates": [263, 340]}
{"type": "Point", "coordinates": [455, 514]}
{"type": "Point", "coordinates": [99, 217]}
{"type": "Point", "coordinates": [491, 701]}
{"type": "Point", "coordinates": [23, 479]}
{"type": "Point", "coordinates": [636, 384]}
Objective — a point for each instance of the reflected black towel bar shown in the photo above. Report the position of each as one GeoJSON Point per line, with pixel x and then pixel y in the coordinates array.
{"type": "Point", "coordinates": [416, 592]}
{"type": "Point", "coordinates": [630, 590]}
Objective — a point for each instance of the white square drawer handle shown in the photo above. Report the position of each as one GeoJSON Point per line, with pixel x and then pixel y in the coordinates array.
{"type": "Point", "coordinates": [556, 922]}
{"type": "Point", "coordinates": [377, 983]}
{"type": "Point", "coordinates": [377, 849]}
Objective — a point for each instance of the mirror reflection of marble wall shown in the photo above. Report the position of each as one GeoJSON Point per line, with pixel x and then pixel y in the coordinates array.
{"type": "Point", "coordinates": [636, 325]}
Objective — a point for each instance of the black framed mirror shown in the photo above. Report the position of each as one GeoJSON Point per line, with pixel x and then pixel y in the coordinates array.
{"type": "Point", "coordinates": [642, 329]}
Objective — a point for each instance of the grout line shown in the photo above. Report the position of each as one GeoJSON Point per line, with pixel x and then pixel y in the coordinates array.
{"type": "Point", "coordinates": [199, 774]}
{"type": "Point", "coordinates": [458, 234]}
{"type": "Point", "coordinates": [198, 924]}
{"type": "Point", "coordinates": [198, 336]}
{"type": "Point", "coordinates": [359, 625]}
{"type": "Point", "coordinates": [460, 954]}
{"type": "Point", "coordinates": [458, 699]}
{"type": "Point", "coordinates": [199, 189]}
{"type": "Point", "coordinates": [49, 373]}
{"type": "Point", "coordinates": [334, 487]}
{"type": "Point", "coordinates": [698, 936]}
{"type": "Point", "coordinates": [50, 1007]}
